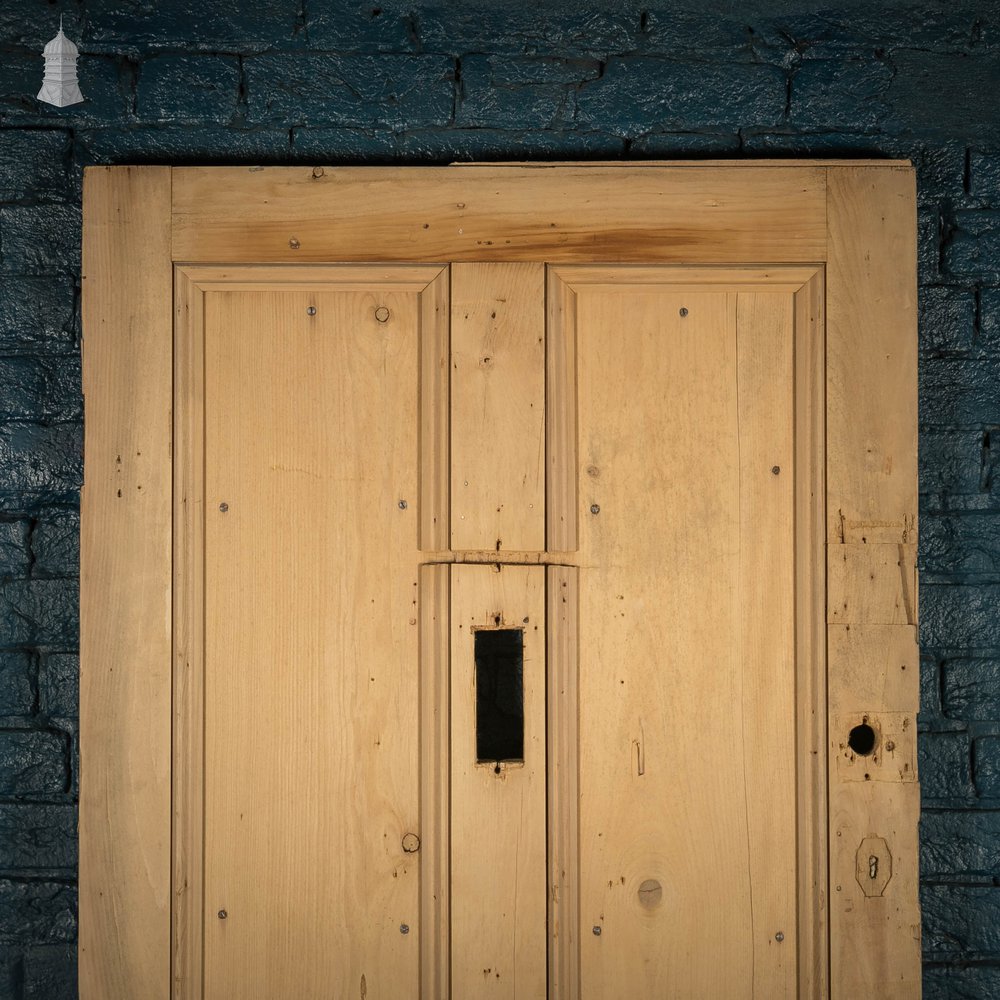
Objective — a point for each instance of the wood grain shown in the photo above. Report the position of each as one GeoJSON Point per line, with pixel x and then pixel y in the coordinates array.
{"type": "Point", "coordinates": [311, 643]}
{"type": "Point", "coordinates": [125, 584]}
{"type": "Point", "coordinates": [718, 214]}
{"type": "Point", "coordinates": [435, 781]}
{"type": "Point", "coordinates": [563, 780]}
{"type": "Point", "coordinates": [687, 665]}
{"type": "Point", "coordinates": [871, 512]}
{"type": "Point", "coordinates": [498, 406]}
{"type": "Point", "coordinates": [498, 865]}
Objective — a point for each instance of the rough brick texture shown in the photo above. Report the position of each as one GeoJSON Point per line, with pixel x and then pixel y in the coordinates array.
{"type": "Point", "coordinates": [431, 81]}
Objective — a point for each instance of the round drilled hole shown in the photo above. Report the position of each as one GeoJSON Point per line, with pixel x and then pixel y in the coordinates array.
{"type": "Point", "coordinates": [862, 739]}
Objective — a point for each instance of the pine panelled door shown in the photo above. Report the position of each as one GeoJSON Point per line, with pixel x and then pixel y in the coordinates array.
{"type": "Point", "coordinates": [499, 581]}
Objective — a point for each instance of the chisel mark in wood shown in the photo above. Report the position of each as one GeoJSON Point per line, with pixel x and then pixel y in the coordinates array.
{"type": "Point", "coordinates": [640, 751]}
{"type": "Point", "coordinates": [364, 987]}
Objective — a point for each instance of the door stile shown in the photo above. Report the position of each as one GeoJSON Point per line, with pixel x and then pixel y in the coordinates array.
{"type": "Point", "coordinates": [563, 755]}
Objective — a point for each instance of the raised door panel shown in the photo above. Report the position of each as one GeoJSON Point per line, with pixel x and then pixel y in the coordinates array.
{"type": "Point", "coordinates": [311, 502]}
{"type": "Point", "coordinates": [686, 489]}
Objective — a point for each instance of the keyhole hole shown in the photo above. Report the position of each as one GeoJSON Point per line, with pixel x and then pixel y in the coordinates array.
{"type": "Point", "coordinates": [862, 739]}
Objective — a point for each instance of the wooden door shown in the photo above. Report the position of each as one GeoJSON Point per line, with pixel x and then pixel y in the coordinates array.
{"type": "Point", "coordinates": [512, 656]}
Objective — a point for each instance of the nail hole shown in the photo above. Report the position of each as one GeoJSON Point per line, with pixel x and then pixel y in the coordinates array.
{"type": "Point", "coordinates": [862, 739]}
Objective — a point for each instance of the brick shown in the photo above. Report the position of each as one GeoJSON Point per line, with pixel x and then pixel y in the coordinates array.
{"type": "Point", "coordinates": [954, 462]}
{"type": "Point", "coordinates": [50, 973]}
{"type": "Point", "coordinates": [59, 685]}
{"type": "Point", "coordinates": [960, 846]}
{"type": "Point", "coordinates": [520, 93]}
{"type": "Point", "coordinates": [984, 177]}
{"type": "Point", "coordinates": [961, 982]}
{"type": "Point", "coordinates": [388, 91]}
{"type": "Point", "coordinates": [104, 83]}
{"type": "Point", "coordinates": [944, 762]}
{"type": "Point", "coordinates": [33, 163]}
{"type": "Point", "coordinates": [17, 693]}
{"type": "Point", "coordinates": [639, 95]}
{"type": "Point", "coordinates": [986, 766]}
{"type": "Point", "coordinates": [37, 312]}
{"type": "Point", "coordinates": [556, 30]}
{"type": "Point", "coordinates": [36, 239]}
{"type": "Point", "coordinates": [40, 457]}
{"type": "Point", "coordinates": [962, 545]}
{"type": "Point", "coordinates": [666, 145]}
{"type": "Point", "coordinates": [988, 340]}
{"type": "Point", "coordinates": [179, 145]}
{"type": "Point", "coordinates": [36, 612]}
{"type": "Point", "coordinates": [957, 616]}
{"type": "Point", "coordinates": [930, 692]}
{"type": "Point", "coordinates": [942, 93]}
{"type": "Point", "coordinates": [960, 922]}
{"type": "Point", "coordinates": [37, 836]}
{"type": "Point", "coordinates": [14, 555]}
{"type": "Point", "coordinates": [33, 387]}
{"type": "Point", "coordinates": [371, 27]}
{"type": "Point", "coordinates": [930, 228]}
{"type": "Point", "coordinates": [192, 24]}
{"type": "Point", "coordinates": [37, 912]}
{"type": "Point", "coordinates": [959, 392]}
{"type": "Point", "coordinates": [971, 688]}
{"type": "Point", "coordinates": [832, 94]}
{"type": "Point", "coordinates": [185, 88]}
{"type": "Point", "coordinates": [948, 321]}
{"type": "Point", "coordinates": [974, 248]}
{"type": "Point", "coordinates": [32, 762]}
{"type": "Point", "coordinates": [55, 543]}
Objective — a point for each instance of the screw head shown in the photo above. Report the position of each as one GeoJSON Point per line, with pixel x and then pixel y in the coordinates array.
{"type": "Point", "coordinates": [223, 507]}
{"type": "Point", "coordinates": [311, 311]}
{"type": "Point", "coordinates": [595, 508]}
{"type": "Point", "coordinates": [597, 930]}
{"type": "Point", "coordinates": [402, 505]}
{"type": "Point", "coordinates": [404, 928]}
{"type": "Point", "coordinates": [775, 470]}
{"type": "Point", "coordinates": [294, 243]}
{"type": "Point", "coordinates": [683, 310]}
{"type": "Point", "coordinates": [779, 937]}
{"type": "Point", "coordinates": [223, 914]}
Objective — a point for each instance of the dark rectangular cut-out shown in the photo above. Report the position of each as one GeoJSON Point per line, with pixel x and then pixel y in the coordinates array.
{"type": "Point", "coordinates": [499, 695]}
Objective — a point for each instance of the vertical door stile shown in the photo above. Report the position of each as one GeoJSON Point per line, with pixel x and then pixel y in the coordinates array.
{"type": "Point", "coordinates": [563, 753]}
{"type": "Point", "coordinates": [498, 862]}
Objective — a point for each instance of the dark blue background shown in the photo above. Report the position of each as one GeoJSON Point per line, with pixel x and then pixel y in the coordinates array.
{"type": "Point", "coordinates": [308, 81]}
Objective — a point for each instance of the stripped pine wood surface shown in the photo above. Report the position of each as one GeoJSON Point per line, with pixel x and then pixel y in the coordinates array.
{"type": "Point", "coordinates": [125, 586]}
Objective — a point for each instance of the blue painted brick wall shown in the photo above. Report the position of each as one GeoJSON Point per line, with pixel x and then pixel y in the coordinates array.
{"type": "Point", "coordinates": [428, 81]}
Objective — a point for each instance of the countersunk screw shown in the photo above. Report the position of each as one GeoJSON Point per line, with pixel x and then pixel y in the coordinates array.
{"type": "Point", "coordinates": [779, 937]}
{"type": "Point", "coordinates": [597, 930]}
{"type": "Point", "coordinates": [595, 508]}
{"type": "Point", "coordinates": [311, 311]}
{"type": "Point", "coordinates": [294, 243]}
{"type": "Point", "coordinates": [223, 914]}
{"type": "Point", "coordinates": [683, 310]}
{"type": "Point", "coordinates": [404, 928]}
{"type": "Point", "coordinates": [402, 505]}
{"type": "Point", "coordinates": [223, 507]}
{"type": "Point", "coordinates": [775, 470]}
